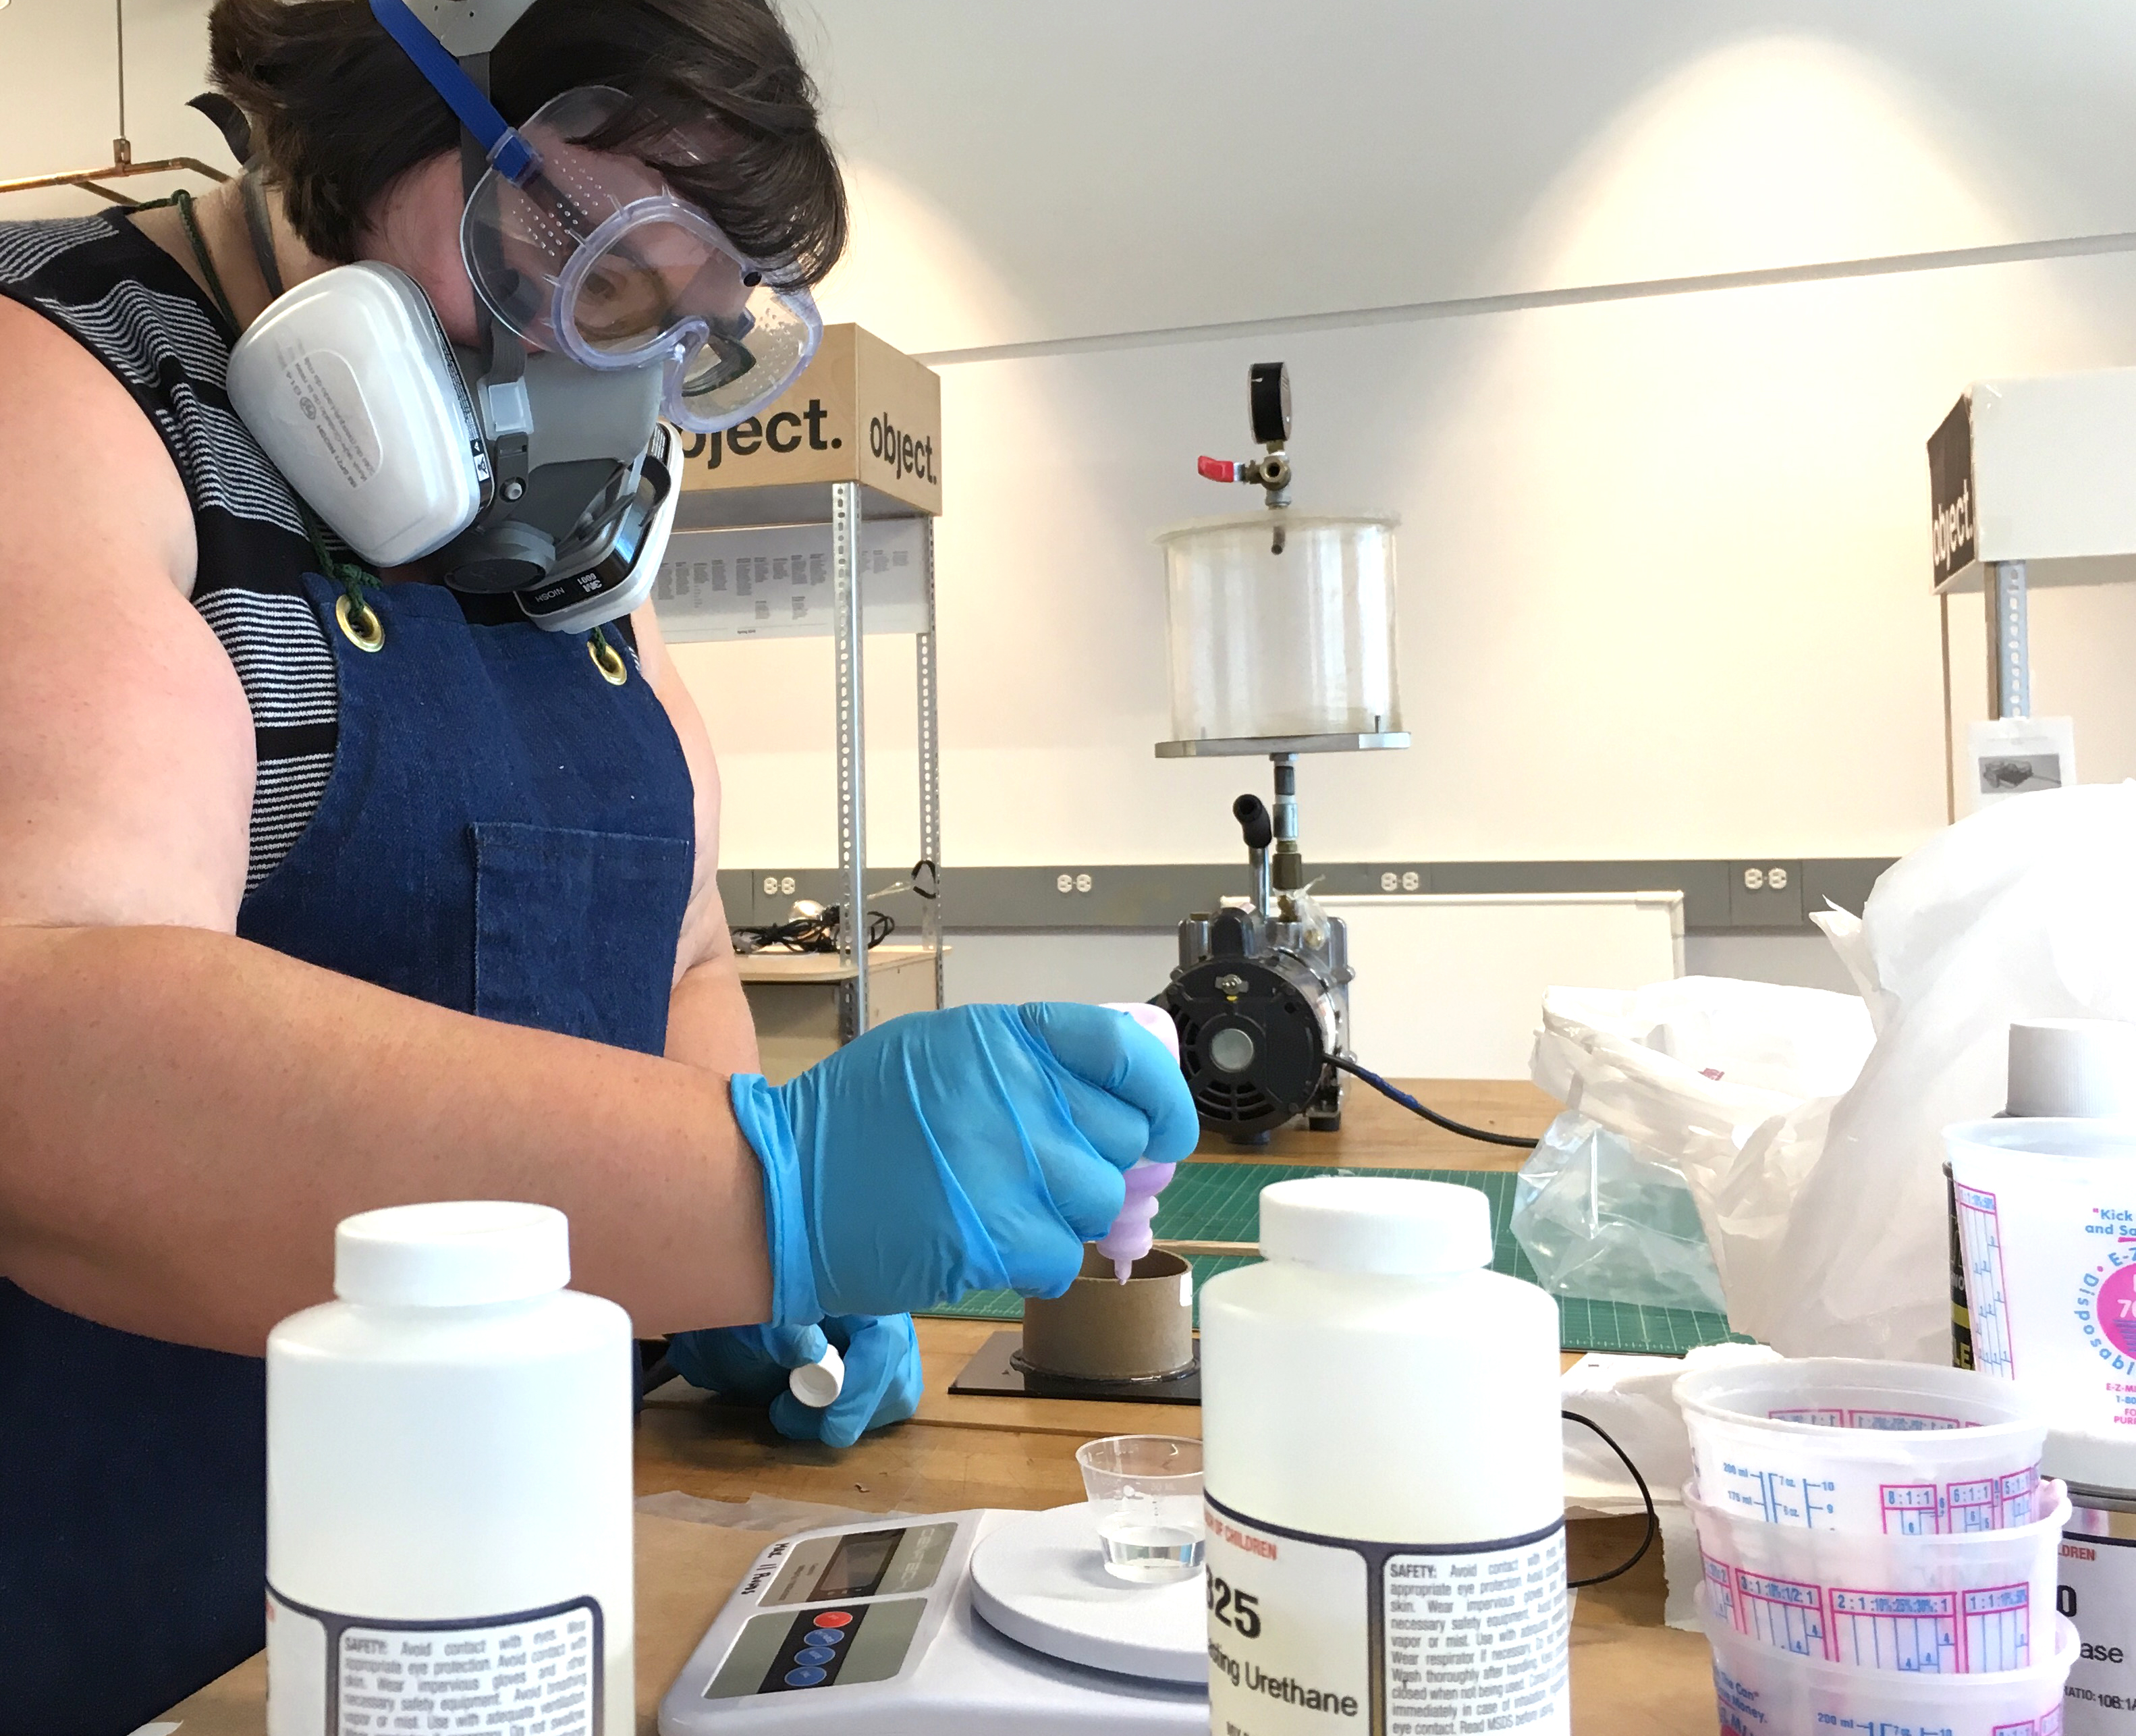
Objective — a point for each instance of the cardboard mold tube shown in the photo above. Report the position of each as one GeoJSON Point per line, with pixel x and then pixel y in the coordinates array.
{"type": "Point", "coordinates": [1104, 1330]}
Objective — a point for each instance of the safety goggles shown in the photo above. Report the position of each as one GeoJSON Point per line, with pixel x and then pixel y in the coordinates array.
{"type": "Point", "coordinates": [591, 254]}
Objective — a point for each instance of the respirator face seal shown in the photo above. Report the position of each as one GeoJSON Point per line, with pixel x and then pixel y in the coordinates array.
{"type": "Point", "coordinates": [589, 253]}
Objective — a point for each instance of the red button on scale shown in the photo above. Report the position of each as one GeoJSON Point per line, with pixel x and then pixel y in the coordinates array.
{"type": "Point", "coordinates": [833, 1618]}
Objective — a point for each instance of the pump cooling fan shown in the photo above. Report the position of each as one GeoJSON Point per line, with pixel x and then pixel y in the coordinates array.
{"type": "Point", "coordinates": [1251, 1043]}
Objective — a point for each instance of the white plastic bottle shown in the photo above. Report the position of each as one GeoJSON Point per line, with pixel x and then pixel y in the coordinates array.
{"type": "Point", "coordinates": [1384, 1472]}
{"type": "Point", "coordinates": [449, 1487]}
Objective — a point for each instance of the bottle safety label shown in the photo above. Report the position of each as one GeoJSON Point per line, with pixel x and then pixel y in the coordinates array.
{"type": "Point", "coordinates": [2098, 1593]}
{"type": "Point", "coordinates": [536, 1671]}
{"type": "Point", "coordinates": [1309, 1635]}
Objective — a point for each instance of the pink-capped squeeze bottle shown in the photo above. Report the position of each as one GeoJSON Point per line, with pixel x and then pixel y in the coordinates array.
{"type": "Point", "coordinates": [1129, 1237]}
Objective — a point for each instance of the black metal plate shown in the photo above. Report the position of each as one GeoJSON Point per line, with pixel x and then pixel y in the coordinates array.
{"type": "Point", "coordinates": [994, 1373]}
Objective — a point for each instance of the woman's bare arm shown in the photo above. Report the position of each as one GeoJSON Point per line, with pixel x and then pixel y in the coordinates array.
{"type": "Point", "coordinates": [708, 1018]}
{"type": "Point", "coordinates": [184, 1116]}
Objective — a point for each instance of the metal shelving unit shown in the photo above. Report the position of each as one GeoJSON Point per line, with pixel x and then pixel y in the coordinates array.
{"type": "Point", "coordinates": [846, 507]}
{"type": "Point", "coordinates": [847, 640]}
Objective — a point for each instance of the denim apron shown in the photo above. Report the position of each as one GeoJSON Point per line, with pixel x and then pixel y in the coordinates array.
{"type": "Point", "coordinates": [506, 832]}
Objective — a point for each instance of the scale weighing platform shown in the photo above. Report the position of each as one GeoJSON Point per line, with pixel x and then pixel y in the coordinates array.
{"type": "Point", "coordinates": [961, 1624]}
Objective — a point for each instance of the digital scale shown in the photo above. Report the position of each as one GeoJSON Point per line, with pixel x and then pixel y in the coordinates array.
{"type": "Point", "coordinates": [962, 1624]}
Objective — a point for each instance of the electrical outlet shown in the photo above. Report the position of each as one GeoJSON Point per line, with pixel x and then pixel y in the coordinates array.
{"type": "Point", "coordinates": [1765, 895]}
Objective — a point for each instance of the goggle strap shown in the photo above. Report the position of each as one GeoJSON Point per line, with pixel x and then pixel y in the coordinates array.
{"type": "Point", "coordinates": [514, 157]}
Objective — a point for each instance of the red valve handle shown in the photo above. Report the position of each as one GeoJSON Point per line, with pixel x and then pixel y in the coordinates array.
{"type": "Point", "coordinates": [1218, 470]}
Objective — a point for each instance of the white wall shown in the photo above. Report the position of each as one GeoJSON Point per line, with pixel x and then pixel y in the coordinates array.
{"type": "Point", "coordinates": [60, 107]}
{"type": "Point", "coordinates": [1058, 965]}
{"type": "Point", "coordinates": [1664, 559]}
{"type": "Point", "coordinates": [1664, 583]}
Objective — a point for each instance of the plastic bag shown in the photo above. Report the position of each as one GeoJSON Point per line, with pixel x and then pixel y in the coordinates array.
{"type": "Point", "coordinates": [1729, 1082]}
{"type": "Point", "coordinates": [1598, 1216]}
{"type": "Point", "coordinates": [2022, 912]}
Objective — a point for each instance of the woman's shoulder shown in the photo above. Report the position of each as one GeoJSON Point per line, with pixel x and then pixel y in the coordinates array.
{"type": "Point", "coordinates": [132, 307]}
{"type": "Point", "coordinates": [118, 295]}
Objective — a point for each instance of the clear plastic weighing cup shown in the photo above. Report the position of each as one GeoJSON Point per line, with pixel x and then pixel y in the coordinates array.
{"type": "Point", "coordinates": [1300, 643]}
{"type": "Point", "coordinates": [1835, 1444]}
{"type": "Point", "coordinates": [1145, 1496]}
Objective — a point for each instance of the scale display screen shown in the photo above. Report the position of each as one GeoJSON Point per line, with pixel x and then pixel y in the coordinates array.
{"type": "Point", "coordinates": [894, 1562]}
{"type": "Point", "coordinates": [856, 1567]}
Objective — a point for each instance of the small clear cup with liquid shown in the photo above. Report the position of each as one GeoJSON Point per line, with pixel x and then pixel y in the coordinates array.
{"type": "Point", "coordinates": [1145, 1494]}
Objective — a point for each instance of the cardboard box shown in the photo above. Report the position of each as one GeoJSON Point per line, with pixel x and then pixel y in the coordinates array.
{"type": "Point", "coordinates": [863, 412]}
{"type": "Point", "coordinates": [2037, 470]}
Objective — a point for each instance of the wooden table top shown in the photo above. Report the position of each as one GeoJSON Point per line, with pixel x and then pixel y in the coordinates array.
{"type": "Point", "coordinates": [1631, 1676]}
{"type": "Point", "coordinates": [777, 965]}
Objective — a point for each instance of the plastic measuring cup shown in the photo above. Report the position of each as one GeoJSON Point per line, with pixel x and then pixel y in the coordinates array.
{"type": "Point", "coordinates": [1945, 1603]}
{"type": "Point", "coordinates": [2047, 1222]}
{"type": "Point", "coordinates": [1835, 1444]}
{"type": "Point", "coordinates": [1769, 1691]}
{"type": "Point", "coordinates": [1145, 1495]}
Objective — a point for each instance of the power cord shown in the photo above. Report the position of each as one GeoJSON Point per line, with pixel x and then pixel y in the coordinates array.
{"type": "Point", "coordinates": [1432, 1115]}
{"type": "Point", "coordinates": [815, 932]}
{"type": "Point", "coordinates": [811, 928]}
{"type": "Point", "coordinates": [1653, 1518]}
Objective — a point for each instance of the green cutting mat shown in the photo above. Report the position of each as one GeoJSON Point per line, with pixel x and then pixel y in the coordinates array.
{"type": "Point", "coordinates": [1215, 1202]}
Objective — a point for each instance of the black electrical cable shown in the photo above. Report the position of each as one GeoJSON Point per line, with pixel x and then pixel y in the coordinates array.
{"type": "Point", "coordinates": [1432, 1115]}
{"type": "Point", "coordinates": [1646, 1494]}
{"type": "Point", "coordinates": [817, 933]}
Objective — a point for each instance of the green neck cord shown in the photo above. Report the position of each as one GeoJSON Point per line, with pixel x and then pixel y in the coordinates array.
{"type": "Point", "coordinates": [347, 574]}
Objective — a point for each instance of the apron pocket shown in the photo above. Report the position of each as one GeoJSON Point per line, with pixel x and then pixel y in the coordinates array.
{"type": "Point", "coordinates": [577, 931]}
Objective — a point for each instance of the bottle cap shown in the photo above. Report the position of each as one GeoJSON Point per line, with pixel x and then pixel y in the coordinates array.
{"type": "Point", "coordinates": [2091, 1462]}
{"type": "Point", "coordinates": [817, 1384]}
{"type": "Point", "coordinates": [2072, 1067]}
{"type": "Point", "coordinates": [453, 1254]}
{"type": "Point", "coordinates": [1376, 1224]}
{"type": "Point", "coordinates": [1155, 1020]}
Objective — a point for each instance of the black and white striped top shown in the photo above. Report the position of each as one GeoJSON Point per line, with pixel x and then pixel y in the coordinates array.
{"type": "Point", "coordinates": [131, 306]}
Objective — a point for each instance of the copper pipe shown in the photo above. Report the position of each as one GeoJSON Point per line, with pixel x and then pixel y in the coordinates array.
{"type": "Point", "coordinates": [87, 178]}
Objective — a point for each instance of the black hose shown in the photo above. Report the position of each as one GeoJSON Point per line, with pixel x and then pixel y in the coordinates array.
{"type": "Point", "coordinates": [1653, 1518]}
{"type": "Point", "coordinates": [1432, 1115]}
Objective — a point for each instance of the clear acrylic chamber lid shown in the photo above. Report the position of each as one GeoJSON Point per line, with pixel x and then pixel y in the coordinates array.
{"type": "Point", "coordinates": [1295, 643]}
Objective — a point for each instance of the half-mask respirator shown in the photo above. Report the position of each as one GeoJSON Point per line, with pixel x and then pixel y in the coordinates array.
{"type": "Point", "coordinates": [536, 464]}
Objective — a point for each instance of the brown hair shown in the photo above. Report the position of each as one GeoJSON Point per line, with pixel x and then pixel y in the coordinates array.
{"type": "Point", "coordinates": [338, 112]}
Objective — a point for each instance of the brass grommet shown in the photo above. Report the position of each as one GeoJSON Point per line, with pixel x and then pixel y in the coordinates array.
{"type": "Point", "coordinates": [359, 622]}
{"type": "Point", "coordinates": [614, 671]}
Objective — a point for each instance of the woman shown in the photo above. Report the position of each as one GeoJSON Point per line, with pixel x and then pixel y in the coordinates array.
{"type": "Point", "coordinates": [293, 924]}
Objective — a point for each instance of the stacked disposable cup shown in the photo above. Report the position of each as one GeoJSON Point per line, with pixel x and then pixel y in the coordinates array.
{"type": "Point", "coordinates": [1879, 1549]}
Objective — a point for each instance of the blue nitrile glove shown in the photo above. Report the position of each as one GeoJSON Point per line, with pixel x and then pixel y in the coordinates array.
{"type": "Point", "coordinates": [750, 1364]}
{"type": "Point", "coordinates": [976, 1148]}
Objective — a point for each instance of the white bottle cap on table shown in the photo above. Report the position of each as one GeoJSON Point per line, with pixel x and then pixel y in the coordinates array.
{"type": "Point", "coordinates": [817, 1384]}
{"type": "Point", "coordinates": [451, 1254]}
{"type": "Point", "coordinates": [2072, 1067]}
{"type": "Point", "coordinates": [1372, 1224]}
